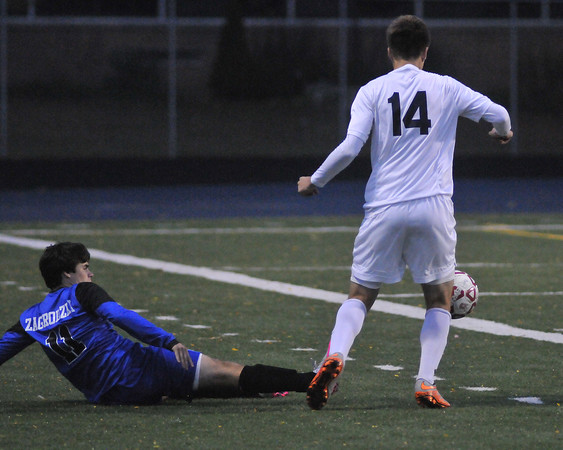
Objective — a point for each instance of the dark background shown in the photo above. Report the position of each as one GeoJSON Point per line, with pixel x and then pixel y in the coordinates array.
{"type": "Point", "coordinates": [257, 98]}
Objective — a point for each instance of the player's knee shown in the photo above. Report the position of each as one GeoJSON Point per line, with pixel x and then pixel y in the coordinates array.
{"type": "Point", "coordinates": [365, 294]}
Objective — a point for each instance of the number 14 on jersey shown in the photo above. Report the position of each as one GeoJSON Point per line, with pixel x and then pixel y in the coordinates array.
{"type": "Point", "coordinates": [419, 105]}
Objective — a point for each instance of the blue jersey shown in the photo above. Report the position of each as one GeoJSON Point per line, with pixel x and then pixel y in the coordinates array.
{"type": "Point", "coordinates": [74, 327]}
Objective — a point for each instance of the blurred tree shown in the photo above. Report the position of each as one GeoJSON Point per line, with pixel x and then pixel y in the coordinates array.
{"type": "Point", "coordinates": [233, 71]}
{"type": "Point", "coordinates": [270, 71]}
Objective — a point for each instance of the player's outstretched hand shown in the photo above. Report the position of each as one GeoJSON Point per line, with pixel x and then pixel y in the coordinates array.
{"type": "Point", "coordinates": [306, 188]}
{"type": "Point", "coordinates": [503, 139]}
{"type": "Point", "coordinates": [183, 356]}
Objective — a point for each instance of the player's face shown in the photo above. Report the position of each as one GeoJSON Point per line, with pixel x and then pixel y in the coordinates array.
{"type": "Point", "coordinates": [81, 274]}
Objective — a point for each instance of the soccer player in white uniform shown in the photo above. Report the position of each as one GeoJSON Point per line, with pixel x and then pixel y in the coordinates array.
{"type": "Point", "coordinates": [412, 116]}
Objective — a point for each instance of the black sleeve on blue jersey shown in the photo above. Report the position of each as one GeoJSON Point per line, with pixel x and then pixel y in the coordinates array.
{"type": "Point", "coordinates": [136, 325]}
{"type": "Point", "coordinates": [90, 296]}
{"type": "Point", "coordinates": [13, 342]}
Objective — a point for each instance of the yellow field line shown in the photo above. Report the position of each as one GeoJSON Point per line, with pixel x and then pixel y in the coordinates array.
{"type": "Point", "coordinates": [523, 233]}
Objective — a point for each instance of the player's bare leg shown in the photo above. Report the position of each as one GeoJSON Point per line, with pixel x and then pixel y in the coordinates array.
{"type": "Point", "coordinates": [438, 295]}
{"type": "Point", "coordinates": [218, 378]}
{"type": "Point", "coordinates": [229, 379]}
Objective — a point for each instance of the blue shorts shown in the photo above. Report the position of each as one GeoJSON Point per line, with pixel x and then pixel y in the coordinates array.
{"type": "Point", "coordinates": [154, 373]}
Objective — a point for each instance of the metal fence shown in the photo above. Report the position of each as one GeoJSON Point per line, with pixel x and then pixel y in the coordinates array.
{"type": "Point", "coordinates": [166, 39]}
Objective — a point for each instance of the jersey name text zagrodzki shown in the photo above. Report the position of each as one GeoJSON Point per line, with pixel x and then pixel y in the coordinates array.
{"type": "Point", "coordinates": [49, 318]}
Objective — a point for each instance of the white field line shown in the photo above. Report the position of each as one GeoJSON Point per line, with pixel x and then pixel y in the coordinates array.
{"type": "Point", "coordinates": [468, 323]}
{"type": "Point", "coordinates": [530, 400]}
{"type": "Point", "coordinates": [500, 226]}
{"type": "Point", "coordinates": [181, 231]}
{"type": "Point", "coordinates": [81, 229]}
{"type": "Point", "coordinates": [486, 294]}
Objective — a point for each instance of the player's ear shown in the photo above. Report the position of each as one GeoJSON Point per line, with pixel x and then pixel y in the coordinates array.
{"type": "Point", "coordinates": [425, 54]}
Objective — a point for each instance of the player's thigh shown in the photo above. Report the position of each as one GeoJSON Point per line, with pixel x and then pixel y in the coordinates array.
{"type": "Point", "coordinates": [429, 248]}
{"type": "Point", "coordinates": [153, 373]}
{"type": "Point", "coordinates": [378, 247]}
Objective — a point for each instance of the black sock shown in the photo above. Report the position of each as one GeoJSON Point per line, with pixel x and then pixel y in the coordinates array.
{"type": "Point", "coordinates": [265, 379]}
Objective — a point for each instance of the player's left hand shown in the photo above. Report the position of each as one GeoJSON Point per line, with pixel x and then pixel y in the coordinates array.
{"type": "Point", "coordinates": [183, 356]}
{"type": "Point", "coordinates": [503, 139]}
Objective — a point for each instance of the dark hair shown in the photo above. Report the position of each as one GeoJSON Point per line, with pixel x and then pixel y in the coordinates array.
{"type": "Point", "coordinates": [407, 37]}
{"type": "Point", "coordinates": [59, 258]}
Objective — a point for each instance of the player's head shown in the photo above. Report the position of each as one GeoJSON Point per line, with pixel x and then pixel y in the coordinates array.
{"type": "Point", "coordinates": [407, 38]}
{"type": "Point", "coordinates": [60, 259]}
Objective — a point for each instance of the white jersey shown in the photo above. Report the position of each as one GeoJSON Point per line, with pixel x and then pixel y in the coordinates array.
{"type": "Point", "coordinates": [414, 117]}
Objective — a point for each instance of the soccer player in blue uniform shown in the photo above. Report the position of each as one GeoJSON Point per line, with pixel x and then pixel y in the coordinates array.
{"type": "Point", "coordinates": [74, 325]}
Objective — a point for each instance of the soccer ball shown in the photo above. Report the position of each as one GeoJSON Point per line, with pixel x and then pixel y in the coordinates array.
{"type": "Point", "coordinates": [464, 295]}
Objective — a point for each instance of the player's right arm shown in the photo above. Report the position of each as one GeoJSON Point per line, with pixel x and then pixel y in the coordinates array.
{"type": "Point", "coordinates": [96, 300]}
{"type": "Point", "coordinates": [359, 129]}
{"type": "Point", "coordinates": [336, 162]}
{"type": "Point", "coordinates": [14, 341]}
{"type": "Point", "coordinates": [144, 330]}
{"type": "Point", "coordinates": [499, 117]}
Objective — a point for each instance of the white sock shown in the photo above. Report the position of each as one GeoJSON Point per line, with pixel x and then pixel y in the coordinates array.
{"type": "Point", "coordinates": [433, 341]}
{"type": "Point", "coordinates": [348, 324]}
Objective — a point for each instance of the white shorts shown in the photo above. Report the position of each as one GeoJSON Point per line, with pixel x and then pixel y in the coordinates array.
{"type": "Point", "coordinates": [418, 233]}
